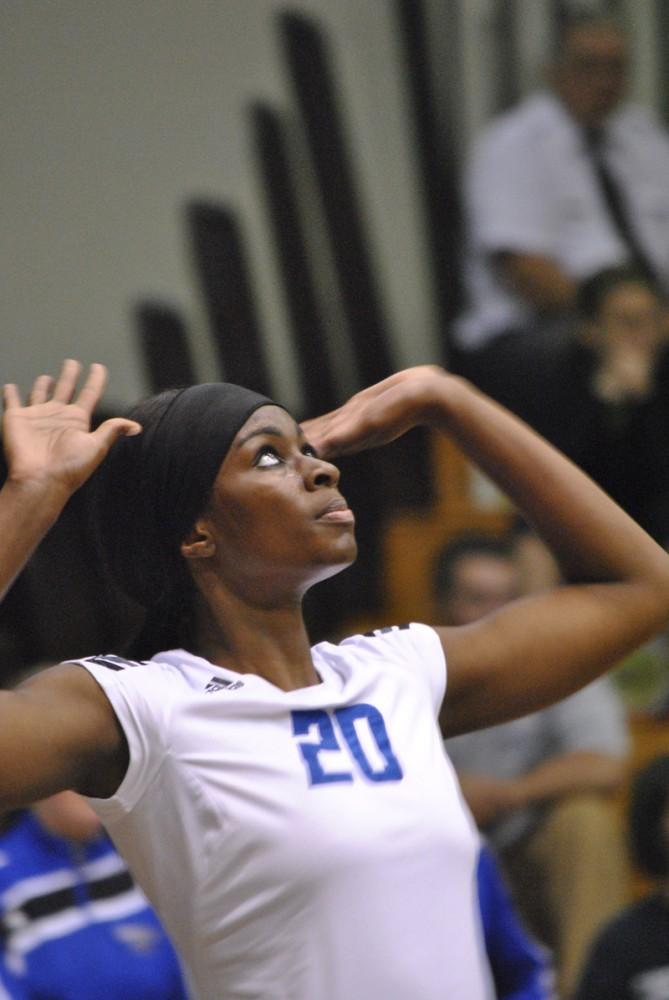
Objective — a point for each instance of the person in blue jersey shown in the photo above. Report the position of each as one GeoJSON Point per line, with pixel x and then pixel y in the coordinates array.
{"type": "Point", "coordinates": [520, 967]}
{"type": "Point", "coordinates": [289, 810]}
{"type": "Point", "coordinates": [73, 924]}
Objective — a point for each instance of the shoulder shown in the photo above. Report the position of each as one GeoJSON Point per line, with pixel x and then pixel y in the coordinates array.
{"type": "Point", "coordinates": [536, 116]}
{"type": "Point", "coordinates": [393, 642]}
{"type": "Point", "coordinates": [629, 926]}
{"type": "Point", "coordinates": [168, 671]}
{"type": "Point", "coordinates": [636, 121]}
{"type": "Point", "coordinates": [412, 650]}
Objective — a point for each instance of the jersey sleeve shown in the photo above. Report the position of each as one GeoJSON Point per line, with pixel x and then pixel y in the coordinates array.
{"type": "Point", "coordinates": [416, 648]}
{"type": "Point", "coordinates": [139, 694]}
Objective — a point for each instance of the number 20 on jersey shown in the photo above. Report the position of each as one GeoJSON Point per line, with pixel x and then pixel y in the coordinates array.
{"type": "Point", "coordinates": [357, 733]}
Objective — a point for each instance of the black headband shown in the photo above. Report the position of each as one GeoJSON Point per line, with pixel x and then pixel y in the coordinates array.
{"type": "Point", "coordinates": [158, 482]}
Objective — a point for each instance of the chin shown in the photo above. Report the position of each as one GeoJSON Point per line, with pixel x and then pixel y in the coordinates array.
{"type": "Point", "coordinates": [331, 569]}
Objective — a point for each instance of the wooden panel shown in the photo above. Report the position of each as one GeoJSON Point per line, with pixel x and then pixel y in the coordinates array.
{"type": "Point", "coordinates": [463, 502]}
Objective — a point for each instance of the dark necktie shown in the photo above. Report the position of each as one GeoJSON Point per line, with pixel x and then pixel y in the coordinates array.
{"type": "Point", "coordinates": [616, 202]}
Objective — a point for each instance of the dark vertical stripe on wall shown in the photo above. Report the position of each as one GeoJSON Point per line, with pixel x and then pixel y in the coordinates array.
{"type": "Point", "coordinates": [163, 342]}
{"type": "Point", "coordinates": [563, 10]}
{"type": "Point", "coordinates": [507, 85]}
{"type": "Point", "coordinates": [315, 87]}
{"type": "Point", "coordinates": [221, 264]}
{"type": "Point", "coordinates": [438, 172]}
{"type": "Point", "coordinates": [292, 260]}
{"type": "Point", "coordinates": [662, 22]}
{"type": "Point", "coordinates": [559, 13]}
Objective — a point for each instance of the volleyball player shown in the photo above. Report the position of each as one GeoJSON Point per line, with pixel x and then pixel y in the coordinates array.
{"type": "Point", "coordinates": [289, 811]}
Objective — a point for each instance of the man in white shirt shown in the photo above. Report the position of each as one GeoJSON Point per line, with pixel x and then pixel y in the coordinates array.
{"type": "Point", "coordinates": [567, 183]}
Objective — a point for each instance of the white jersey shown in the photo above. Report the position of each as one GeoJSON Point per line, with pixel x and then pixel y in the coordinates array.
{"type": "Point", "coordinates": [301, 845]}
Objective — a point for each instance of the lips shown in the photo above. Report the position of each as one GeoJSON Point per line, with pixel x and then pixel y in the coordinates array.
{"type": "Point", "coordinates": [337, 510]}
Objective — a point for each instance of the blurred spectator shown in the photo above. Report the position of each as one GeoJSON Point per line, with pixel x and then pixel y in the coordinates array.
{"type": "Point", "coordinates": [629, 960]}
{"type": "Point", "coordinates": [604, 398]}
{"type": "Point", "coordinates": [567, 183]}
{"type": "Point", "coordinates": [73, 924]}
{"type": "Point", "coordinates": [520, 968]}
{"type": "Point", "coordinates": [540, 787]}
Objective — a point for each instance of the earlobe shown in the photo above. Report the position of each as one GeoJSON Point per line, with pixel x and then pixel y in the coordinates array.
{"type": "Point", "coordinates": [198, 544]}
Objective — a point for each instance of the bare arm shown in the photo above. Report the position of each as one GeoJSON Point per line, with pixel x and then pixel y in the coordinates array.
{"type": "Point", "coordinates": [537, 650]}
{"type": "Point", "coordinates": [57, 731]}
{"type": "Point", "coordinates": [537, 279]}
{"type": "Point", "coordinates": [569, 773]}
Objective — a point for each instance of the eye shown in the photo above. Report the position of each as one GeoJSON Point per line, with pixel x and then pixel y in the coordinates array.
{"type": "Point", "coordinates": [309, 450]}
{"type": "Point", "coordinates": [267, 457]}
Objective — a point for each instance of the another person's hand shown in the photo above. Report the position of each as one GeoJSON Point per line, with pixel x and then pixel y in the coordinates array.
{"type": "Point", "coordinates": [626, 371]}
{"type": "Point", "coordinates": [489, 798]}
{"type": "Point", "coordinates": [49, 440]}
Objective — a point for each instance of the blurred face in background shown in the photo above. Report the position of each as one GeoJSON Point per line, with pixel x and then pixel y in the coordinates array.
{"type": "Point", "coordinates": [482, 583]}
{"type": "Point", "coordinates": [590, 74]}
{"type": "Point", "coordinates": [68, 815]}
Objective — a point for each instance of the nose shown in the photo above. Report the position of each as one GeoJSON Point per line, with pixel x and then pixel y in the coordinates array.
{"type": "Point", "coordinates": [317, 472]}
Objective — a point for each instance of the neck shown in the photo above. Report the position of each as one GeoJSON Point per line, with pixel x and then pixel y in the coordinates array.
{"type": "Point", "coordinates": [270, 642]}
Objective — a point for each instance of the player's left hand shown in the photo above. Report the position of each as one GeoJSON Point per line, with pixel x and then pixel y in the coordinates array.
{"type": "Point", "coordinates": [379, 414]}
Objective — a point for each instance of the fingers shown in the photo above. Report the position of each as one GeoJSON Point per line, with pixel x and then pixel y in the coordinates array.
{"type": "Point", "coordinates": [93, 387]}
{"type": "Point", "coordinates": [67, 381]}
{"type": "Point", "coordinates": [40, 390]}
{"type": "Point", "coordinates": [11, 396]}
{"type": "Point", "coordinates": [62, 389]}
{"type": "Point", "coordinates": [110, 430]}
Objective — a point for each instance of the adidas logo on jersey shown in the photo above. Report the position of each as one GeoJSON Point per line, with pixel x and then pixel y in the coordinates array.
{"type": "Point", "coordinates": [220, 684]}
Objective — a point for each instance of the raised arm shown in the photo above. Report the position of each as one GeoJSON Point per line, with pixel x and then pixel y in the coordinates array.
{"type": "Point", "coordinates": [539, 649]}
{"type": "Point", "coordinates": [57, 731]}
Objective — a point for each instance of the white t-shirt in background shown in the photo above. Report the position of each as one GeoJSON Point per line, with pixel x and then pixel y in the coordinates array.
{"type": "Point", "coordinates": [530, 188]}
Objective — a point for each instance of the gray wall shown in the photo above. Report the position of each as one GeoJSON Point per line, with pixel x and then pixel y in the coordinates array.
{"type": "Point", "coordinates": [115, 113]}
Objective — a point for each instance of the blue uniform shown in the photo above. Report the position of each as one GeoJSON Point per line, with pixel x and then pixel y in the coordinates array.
{"type": "Point", "coordinates": [73, 924]}
{"type": "Point", "coordinates": [520, 967]}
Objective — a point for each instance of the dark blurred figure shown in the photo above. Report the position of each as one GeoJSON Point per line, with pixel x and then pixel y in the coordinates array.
{"type": "Point", "coordinates": [612, 383]}
{"type": "Point", "coordinates": [569, 182]}
{"type": "Point", "coordinates": [604, 397]}
{"type": "Point", "coordinates": [540, 787]}
{"type": "Point", "coordinates": [630, 958]}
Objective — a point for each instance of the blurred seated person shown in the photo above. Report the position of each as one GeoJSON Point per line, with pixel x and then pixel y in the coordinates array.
{"type": "Point", "coordinates": [605, 398]}
{"type": "Point", "coordinates": [520, 967]}
{"type": "Point", "coordinates": [541, 787]}
{"type": "Point", "coordinates": [570, 181]}
{"type": "Point", "coordinates": [629, 959]}
{"type": "Point", "coordinates": [73, 924]}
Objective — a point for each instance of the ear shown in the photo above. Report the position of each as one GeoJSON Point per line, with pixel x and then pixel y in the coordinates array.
{"type": "Point", "coordinates": [198, 543]}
